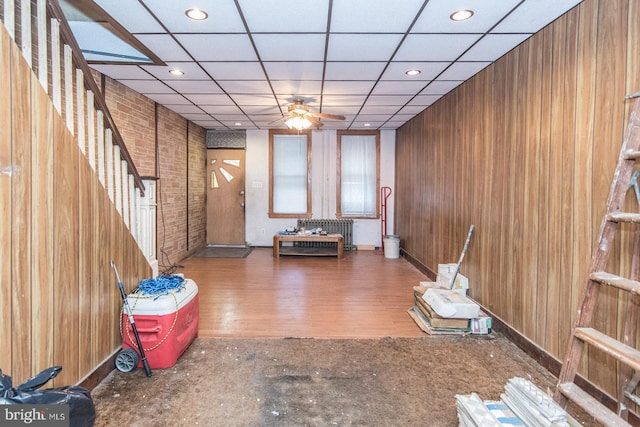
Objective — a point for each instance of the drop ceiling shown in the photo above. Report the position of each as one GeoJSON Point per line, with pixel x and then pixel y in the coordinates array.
{"type": "Point", "coordinates": [251, 58]}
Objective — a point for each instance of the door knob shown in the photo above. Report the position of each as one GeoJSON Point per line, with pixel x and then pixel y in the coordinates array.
{"type": "Point", "coordinates": [242, 205]}
{"type": "Point", "coordinates": [242, 193]}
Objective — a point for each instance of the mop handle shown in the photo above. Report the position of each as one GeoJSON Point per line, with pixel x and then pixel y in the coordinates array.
{"type": "Point", "coordinates": [464, 250]}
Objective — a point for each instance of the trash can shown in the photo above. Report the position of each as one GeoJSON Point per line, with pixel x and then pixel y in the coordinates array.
{"type": "Point", "coordinates": [391, 246]}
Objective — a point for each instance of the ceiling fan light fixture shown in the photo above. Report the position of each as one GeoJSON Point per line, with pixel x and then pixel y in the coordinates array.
{"type": "Point", "coordinates": [461, 15]}
{"type": "Point", "coordinates": [298, 122]}
{"type": "Point", "coordinates": [196, 14]}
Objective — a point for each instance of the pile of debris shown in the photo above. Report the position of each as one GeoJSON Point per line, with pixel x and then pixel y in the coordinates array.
{"type": "Point", "coordinates": [443, 308]}
{"type": "Point", "coordinates": [522, 404]}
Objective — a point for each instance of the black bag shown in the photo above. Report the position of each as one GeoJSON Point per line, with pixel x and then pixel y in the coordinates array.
{"type": "Point", "coordinates": [81, 410]}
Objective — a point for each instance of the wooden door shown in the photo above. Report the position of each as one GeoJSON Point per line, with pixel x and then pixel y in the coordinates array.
{"type": "Point", "coordinates": [225, 197]}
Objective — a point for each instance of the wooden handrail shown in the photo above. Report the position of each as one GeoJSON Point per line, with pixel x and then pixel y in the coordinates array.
{"type": "Point", "coordinates": [54, 9]}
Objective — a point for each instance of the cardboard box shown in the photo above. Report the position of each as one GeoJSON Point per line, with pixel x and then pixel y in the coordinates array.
{"type": "Point", "coordinates": [448, 303]}
{"type": "Point", "coordinates": [481, 325]}
{"type": "Point", "coordinates": [445, 274]}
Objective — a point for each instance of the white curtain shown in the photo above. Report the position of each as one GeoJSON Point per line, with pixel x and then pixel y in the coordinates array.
{"type": "Point", "coordinates": [358, 175]}
{"type": "Point", "coordinates": [289, 174]}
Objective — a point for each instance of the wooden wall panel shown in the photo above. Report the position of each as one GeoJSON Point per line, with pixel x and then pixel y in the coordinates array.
{"type": "Point", "coordinates": [42, 236]}
{"type": "Point", "coordinates": [6, 294]}
{"type": "Point", "coordinates": [526, 150]}
{"type": "Point", "coordinates": [59, 302]}
{"type": "Point", "coordinates": [66, 249]}
{"type": "Point", "coordinates": [21, 215]}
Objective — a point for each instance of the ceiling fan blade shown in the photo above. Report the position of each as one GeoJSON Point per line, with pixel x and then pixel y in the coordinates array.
{"type": "Point", "coordinates": [314, 121]}
{"type": "Point", "coordinates": [327, 116]}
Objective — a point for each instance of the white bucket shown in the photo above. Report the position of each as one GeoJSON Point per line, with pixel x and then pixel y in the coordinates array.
{"type": "Point", "coordinates": [391, 246]}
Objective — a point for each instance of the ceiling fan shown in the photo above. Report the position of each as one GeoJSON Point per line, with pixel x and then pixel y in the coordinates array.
{"type": "Point", "coordinates": [299, 117]}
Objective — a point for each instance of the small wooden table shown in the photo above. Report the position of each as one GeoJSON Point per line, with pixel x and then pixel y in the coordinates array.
{"type": "Point", "coordinates": [335, 238]}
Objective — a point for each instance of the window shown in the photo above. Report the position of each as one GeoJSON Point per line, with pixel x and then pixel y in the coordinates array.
{"type": "Point", "coordinates": [290, 174]}
{"type": "Point", "coordinates": [358, 174]}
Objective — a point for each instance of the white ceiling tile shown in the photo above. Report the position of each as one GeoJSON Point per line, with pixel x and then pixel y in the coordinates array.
{"type": "Point", "coordinates": [293, 87]}
{"type": "Point", "coordinates": [463, 70]}
{"type": "Point", "coordinates": [131, 15]}
{"type": "Point", "coordinates": [434, 47]}
{"type": "Point", "coordinates": [223, 16]}
{"type": "Point", "coordinates": [493, 46]}
{"type": "Point", "coordinates": [412, 109]}
{"type": "Point", "coordinates": [164, 46]}
{"type": "Point", "coordinates": [348, 87]}
{"type": "Point", "coordinates": [208, 124]}
{"type": "Point", "coordinates": [435, 17]}
{"type": "Point", "coordinates": [342, 110]}
{"type": "Point", "coordinates": [399, 100]}
{"type": "Point", "coordinates": [209, 99]}
{"type": "Point", "coordinates": [372, 117]}
{"type": "Point", "coordinates": [194, 86]}
{"type": "Point", "coordinates": [147, 86]}
{"type": "Point", "coordinates": [388, 87]}
{"type": "Point", "coordinates": [126, 72]}
{"type": "Point", "coordinates": [362, 47]}
{"type": "Point", "coordinates": [218, 47]}
{"type": "Point", "coordinates": [230, 70]}
{"type": "Point", "coordinates": [424, 100]}
{"type": "Point", "coordinates": [285, 16]}
{"type": "Point", "coordinates": [258, 110]}
{"type": "Point", "coordinates": [245, 86]}
{"type": "Point", "coordinates": [228, 117]}
{"type": "Point", "coordinates": [340, 99]}
{"type": "Point", "coordinates": [532, 15]}
{"type": "Point", "coordinates": [439, 87]}
{"type": "Point", "coordinates": [254, 99]}
{"type": "Point", "coordinates": [191, 71]}
{"type": "Point", "coordinates": [373, 16]}
{"type": "Point", "coordinates": [186, 109]}
{"type": "Point", "coordinates": [196, 116]}
{"type": "Point", "coordinates": [290, 47]}
{"type": "Point", "coordinates": [354, 70]}
{"type": "Point", "coordinates": [294, 70]}
{"type": "Point", "coordinates": [379, 109]}
{"type": "Point", "coordinates": [167, 99]}
{"type": "Point", "coordinates": [428, 70]}
{"type": "Point", "coordinates": [222, 109]}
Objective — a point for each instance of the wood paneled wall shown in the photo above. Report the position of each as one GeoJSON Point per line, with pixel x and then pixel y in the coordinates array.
{"type": "Point", "coordinates": [59, 301]}
{"type": "Point", "coordinates": [526, 150]}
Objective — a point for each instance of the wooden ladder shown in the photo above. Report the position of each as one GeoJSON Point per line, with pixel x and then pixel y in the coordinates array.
{"type": "Point", "coordinates": [624, 351]}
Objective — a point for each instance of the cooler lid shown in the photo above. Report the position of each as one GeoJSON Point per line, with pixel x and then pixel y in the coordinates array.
{"type": "Point", "coordinates": [164, 304]}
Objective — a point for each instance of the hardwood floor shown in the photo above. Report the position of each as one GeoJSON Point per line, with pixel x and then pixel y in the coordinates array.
{"type": "Point", "coordinates": [363, 295]}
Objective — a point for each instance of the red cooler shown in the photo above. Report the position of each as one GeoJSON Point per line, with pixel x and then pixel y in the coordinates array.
{"type": "Point", "coordinates": [167, 324]}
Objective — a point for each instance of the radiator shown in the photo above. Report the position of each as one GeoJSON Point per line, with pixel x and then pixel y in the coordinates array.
{"type": "Point", "coordinates": [331, 226]}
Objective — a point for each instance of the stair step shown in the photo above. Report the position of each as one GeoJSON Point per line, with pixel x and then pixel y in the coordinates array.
{"type": "Point", "coordinates": [616, 281]}
{"type": "Point", "coordinates": [632, 155]}
{"type": "Point", "coordinates": [624, 217]}
{"type": "Point", "coordinates": [627, 355]}
{"type": "Point", "coordinates": [592, 406]}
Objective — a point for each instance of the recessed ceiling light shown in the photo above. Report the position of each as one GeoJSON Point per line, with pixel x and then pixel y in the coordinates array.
{"type": "Point", "coordinates": [461, 15]}
{"type": "Point", "coordinates": [196, 14]}
{"type": "Point", "coordinates": [238, 124]}
{"type": "Point", "coordinates": [176, 72]}
{"type": "Point", "coordinates": [367, 125]}
{"type": "Point", "coordinates": [412, 72]}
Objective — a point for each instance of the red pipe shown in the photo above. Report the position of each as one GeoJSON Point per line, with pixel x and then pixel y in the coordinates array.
{"type": "Point", "coordinates": [385, 192]}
